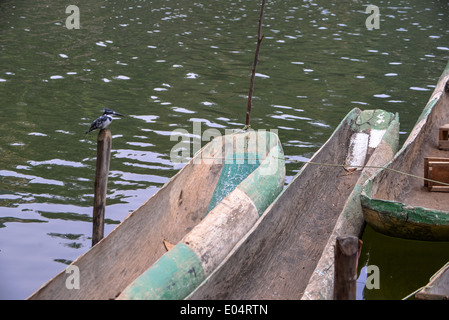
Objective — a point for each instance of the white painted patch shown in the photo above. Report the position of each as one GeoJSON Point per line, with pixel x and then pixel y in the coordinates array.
{"type": "Point", "coordinates": [358, 147]}
{"type": "Point", "coordinates": [376, 137]}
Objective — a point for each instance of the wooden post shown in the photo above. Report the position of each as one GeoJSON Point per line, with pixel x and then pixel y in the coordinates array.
{"type": "Point", "coordinates": [347, 252]}
{"type": "Point", "coordinates": [104, 143]}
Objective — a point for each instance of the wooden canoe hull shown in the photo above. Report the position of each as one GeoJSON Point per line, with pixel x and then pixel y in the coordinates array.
{"type": "Point", "coordinates": [277, 257]}
{"type": "Point", "coordinates": [399, 205]}
{"type": "Point", "coordinates": [178, 272]}
{"type": "Point", "coordinates": [438, 286]}
{"type": "Point", "coordinates": [351, 221]}
{"type": "Point", "coordinates": [169, 215]}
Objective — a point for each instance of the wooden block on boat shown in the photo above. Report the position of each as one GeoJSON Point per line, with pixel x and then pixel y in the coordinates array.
{"type": "Point", "coordinates": [443, 145]}
{"type": "Point", "coordinates": [443, 137]}
{"type": "Point", "coordinates": [436, 168]}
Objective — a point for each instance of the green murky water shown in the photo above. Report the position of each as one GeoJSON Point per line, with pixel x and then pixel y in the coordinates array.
{"type": "Point", "coordinates": [167, 64]}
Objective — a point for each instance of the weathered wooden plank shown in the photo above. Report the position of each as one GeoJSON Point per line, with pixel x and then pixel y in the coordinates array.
{"type": "Point", "coordinates": [104, 143]}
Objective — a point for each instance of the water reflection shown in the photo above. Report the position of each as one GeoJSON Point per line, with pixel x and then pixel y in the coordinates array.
{"type": "Point", "coordinates": [167, 64]}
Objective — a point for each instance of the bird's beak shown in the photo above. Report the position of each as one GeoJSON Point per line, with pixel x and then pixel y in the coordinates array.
{"type": "Point", "coordinates": [118, 114]}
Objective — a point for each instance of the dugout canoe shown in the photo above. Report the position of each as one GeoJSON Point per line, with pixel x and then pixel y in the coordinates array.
{"type": "Point", "coordinates": [277, 257]}
{"type": "Point", "coordinates": [401, 205]}
{"type": "Point", "coordinates": [237, 176]}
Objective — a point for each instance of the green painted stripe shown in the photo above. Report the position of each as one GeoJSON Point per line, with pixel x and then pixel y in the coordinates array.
{"type": "Point", "coordinates": [373, 119]}
{"type": "Point", "coordinates": [267, 181]}
{"type": "Point", "coordinates": [261, 181]}
{"type": "Point", "coordinates": [232, 174]}
{"type": "Point", "coordinates": [175, 275]}
{"type": "Point", "coordinates": [402, 212]}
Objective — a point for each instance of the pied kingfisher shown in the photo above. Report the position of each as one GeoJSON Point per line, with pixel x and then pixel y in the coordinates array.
{"type": "Point", "coordinates": [104, 120]}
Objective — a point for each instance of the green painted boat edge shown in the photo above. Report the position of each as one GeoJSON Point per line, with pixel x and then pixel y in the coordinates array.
{"type": "Point", "coordinates": [391, 212]}
{"type": "Point", "coordinates": [260, 187]}
{"type": "Point", "coordinates": [238, 172]}
{"type": "Point", "coordinates": [402, 212]}
{"type": "Point", "coordinates": [172, 277]}
{"type": "Point", "coordinates": [400, 220]}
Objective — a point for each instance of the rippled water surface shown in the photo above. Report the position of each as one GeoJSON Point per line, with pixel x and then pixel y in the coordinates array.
{"type": "Point", "coordinates": [167, 64]}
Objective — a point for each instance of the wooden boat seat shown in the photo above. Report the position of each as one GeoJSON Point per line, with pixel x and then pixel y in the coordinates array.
{"type": "Point", "coordinates": [443, 137]}
{"type": "Point", "coordinates": [436, 168]}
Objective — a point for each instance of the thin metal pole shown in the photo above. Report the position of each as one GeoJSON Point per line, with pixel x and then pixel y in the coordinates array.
{"type": "Point", "coordinates": [104, 143]}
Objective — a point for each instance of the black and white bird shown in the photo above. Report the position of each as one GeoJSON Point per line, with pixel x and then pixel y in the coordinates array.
{"type": "Point", "coordinates": [104, 120]}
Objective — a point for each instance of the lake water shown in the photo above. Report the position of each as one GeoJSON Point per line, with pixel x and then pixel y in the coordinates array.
{"type": "Point", "coordinates": [168, 64]}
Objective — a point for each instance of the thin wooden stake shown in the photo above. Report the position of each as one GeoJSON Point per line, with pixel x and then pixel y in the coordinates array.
{"type": "Point", "coordinates": [253, 73]}
{"type": "Point", "coordinates": [347, 252]}
{"type": "Point", "coordinates": [104, 143]}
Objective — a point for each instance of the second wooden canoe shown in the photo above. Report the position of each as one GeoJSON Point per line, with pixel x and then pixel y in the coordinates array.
{"type": "Point", "coordinates": [277, 257]}
{"type": "Point", "coordinates": [396, 201]}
